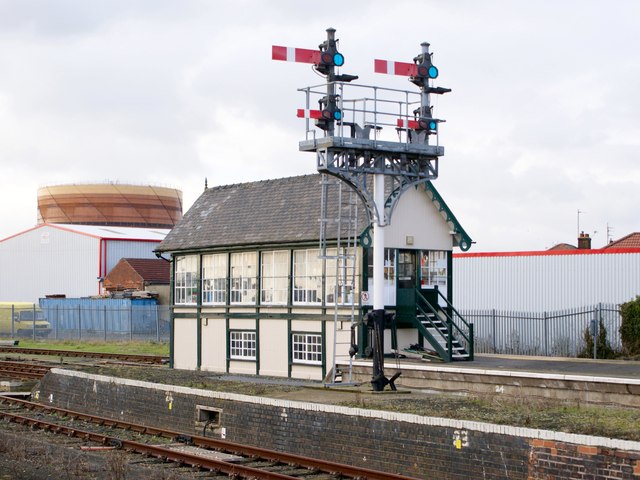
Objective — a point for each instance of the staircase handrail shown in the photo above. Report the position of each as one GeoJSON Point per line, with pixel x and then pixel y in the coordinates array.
{"type": "Point", "coordinates": [428, 334]}
{"type": "Point", "coordinates": [467, 336]}
{"type": "Point", "coordinates": [449, 304]}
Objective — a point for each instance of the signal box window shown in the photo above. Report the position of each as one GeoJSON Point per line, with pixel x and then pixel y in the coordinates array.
{"type": "Point", "coordinates": [307, 348]}
{"type": "Point", "coordinates": [186, 280]}
{"type": "Point", "coordinates": [242, 345]}
{"type": "Point", "coordinates": [244, 267]}
{"type": "Point", "coordinates": [275, 277]}
{"type": "Point", "coordinates": [214, 278]}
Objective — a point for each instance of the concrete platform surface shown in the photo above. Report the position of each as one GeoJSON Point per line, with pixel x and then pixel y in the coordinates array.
{"type": "Point", "coordinates": [564, 366]}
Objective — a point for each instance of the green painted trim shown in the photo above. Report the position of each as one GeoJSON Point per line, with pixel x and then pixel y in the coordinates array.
{"type": "Point", "coordinates": [323, 348]}
{"type": "Point", "coordinates": [228, 354]}
{"type": "Point", "coordinates": [290, 286]}
{"type": "Point", "coordinates": [463, 239]}
{"type": "Point", "coordinates": [257, 347]}
{"type": "Point", "coordinates": [172, 324]}
{"type": "Point", "coordinates": [199, 313]}
{"type": "Point", "coordinates": [289, 349]}
{"type": "Point", "coordinates": [450, 276]}
{"type": "Point", "coordinates": [258, 276]}
{"type": "Point", "coordinates": [239, 248]}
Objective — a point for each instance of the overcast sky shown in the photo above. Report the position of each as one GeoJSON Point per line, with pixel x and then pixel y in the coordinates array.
{"type": "Point", "coordinates": [543, 120]}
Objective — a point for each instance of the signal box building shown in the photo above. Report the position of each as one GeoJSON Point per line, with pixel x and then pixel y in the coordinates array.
{"type": "Point", "coordinates": [254, 292]}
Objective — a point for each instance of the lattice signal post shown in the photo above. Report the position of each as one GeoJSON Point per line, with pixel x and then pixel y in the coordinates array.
{"type": "Point", "coordinates": [379, 141]}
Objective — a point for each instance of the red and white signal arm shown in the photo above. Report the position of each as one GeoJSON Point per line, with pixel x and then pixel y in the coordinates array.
{"type": "Point", "coordinates": [307, 113]}
{"type": "Point", "coordinates": [290, 54]}
{"type": "Point", "coordinates": [395, 68]}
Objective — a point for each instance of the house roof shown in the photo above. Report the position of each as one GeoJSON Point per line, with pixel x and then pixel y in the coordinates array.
{"type": "Point", "coordinates": [628, 241]}
{"type": "Point", "coordinates": [105, 232]}
{"type": "Point", "coordinates": [279, 211]}
{"type": "Point", "coordinates": [562, 246]}
{"type": "Point", "coordinates": [152, 270]}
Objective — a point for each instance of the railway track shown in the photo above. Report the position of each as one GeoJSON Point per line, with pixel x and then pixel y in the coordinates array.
{"type": "Point", "coordinates": [22, 370]}
{"type": "Point", "coordinates": [121, 357]}
{"type": "Point", "coordinates": [212, 455]}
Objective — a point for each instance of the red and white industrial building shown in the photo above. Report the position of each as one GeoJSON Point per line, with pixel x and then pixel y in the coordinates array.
{"type": "Point", "coordinates": [555, 279]}
{"type": "Point", "coordinates": [82, 232]}
{"type": "Point", "coordinates": [71, 260]}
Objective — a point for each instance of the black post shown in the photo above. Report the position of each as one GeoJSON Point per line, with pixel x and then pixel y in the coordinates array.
{"type": "Point", "coordinates": [379, 381]}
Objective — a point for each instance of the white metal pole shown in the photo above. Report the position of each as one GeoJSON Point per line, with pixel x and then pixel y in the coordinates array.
{"type": "Point", "coordinates": [378, 243]}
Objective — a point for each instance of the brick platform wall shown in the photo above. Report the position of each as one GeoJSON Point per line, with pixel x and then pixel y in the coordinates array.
{"type": "Point", "coordinates": [411, 445]}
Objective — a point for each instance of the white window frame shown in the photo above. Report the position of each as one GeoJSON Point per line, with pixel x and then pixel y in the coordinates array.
{"type": "Point", "coordinates": [306, 348]}
{"type": "Point", "coordinates": [243, 344]}
{"type": "Point", "coordinates": [244, 266]}
{"type": "Point", "coordinates": [433, 269]}
{"type": "Point", "coordinates": [214, 279]}
{"type": "Point", "coordinates": [274, 277]}
{"type": "Point", "coordinates": [186, 280]}
{"type": "Point", "coordinates": [307, 277]}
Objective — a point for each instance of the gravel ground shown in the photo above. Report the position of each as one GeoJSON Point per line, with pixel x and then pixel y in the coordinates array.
{"type": "Point", "coordinates": [25, 454]}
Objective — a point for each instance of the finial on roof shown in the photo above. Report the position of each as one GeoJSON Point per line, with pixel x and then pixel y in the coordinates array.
{"type": "Point", "coordinates": [205, 183]}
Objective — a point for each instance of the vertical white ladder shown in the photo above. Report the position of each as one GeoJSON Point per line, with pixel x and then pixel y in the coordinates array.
{"type": "Point", "coordinates": [339, 217]}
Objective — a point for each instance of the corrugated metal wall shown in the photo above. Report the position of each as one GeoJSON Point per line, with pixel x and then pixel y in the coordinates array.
{"type": "Point", "coordinates": [117, 249]}
{"type": "Point", "coordinates": [538, 283]}
{"type": "Point", "coordinates": [48, 261]}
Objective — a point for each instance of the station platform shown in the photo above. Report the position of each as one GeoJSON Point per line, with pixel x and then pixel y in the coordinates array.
{"type": "Point", "coordinates": [555, 365]}
{"type": "Point", "coordinates": [607, 382]}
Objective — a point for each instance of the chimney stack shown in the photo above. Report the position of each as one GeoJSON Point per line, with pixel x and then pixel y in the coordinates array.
{"type": "Point", "coordinates": [584, 241]}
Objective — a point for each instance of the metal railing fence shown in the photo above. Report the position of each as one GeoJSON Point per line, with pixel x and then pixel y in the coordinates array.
{"type": "Point", "coordinates": [555, 334]}
{"type": "Point", "coordinates": [133, 322]}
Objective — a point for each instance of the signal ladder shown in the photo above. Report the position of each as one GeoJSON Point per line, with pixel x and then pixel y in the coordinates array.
{"type": "Point", "coordinates": [339, 220]}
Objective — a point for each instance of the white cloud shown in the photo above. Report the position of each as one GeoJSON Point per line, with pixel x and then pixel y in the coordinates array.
{"type": "Point", "coordinates": [543, 120]}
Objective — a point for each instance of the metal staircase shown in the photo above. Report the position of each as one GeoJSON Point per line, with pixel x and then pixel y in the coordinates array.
{"type": "Point", "coordinates": [339, 224]}
{"type": "Point", "coordinates": [447, 332]}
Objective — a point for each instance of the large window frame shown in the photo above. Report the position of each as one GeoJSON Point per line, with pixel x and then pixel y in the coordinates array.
{"type": "Point", "coordinates": [244, 266]}
{"type": "Point", "coordinates": [339, 270]}
{"type": "Point", "coordinates": [307, 277]}
{"type": "Point", "coordinates": [214, 279]}
{"type": "Point", "coordinates": [186, 280]}
{"type": "Point", "coordinates": [243, 345]}
{"type": "Point", "coordinates": [306, 348]}
{"type": "Point", "coordinates": [274, 277]}
{"type": "Point", "coordinates": [433, 269]}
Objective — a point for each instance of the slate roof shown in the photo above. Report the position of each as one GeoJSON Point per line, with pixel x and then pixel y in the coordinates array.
{"type": "Point", "coordinates": [278, 211]}
{"type": "Point", "coordinates": [284, 210]}
{"type": "Point", "coordinates": [152, 270]}
{"type": "Point", "coordinates": [628, 241]}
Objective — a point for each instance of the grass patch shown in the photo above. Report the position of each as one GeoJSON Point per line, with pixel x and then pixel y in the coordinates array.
{"type": "Point", "coordinates": [609, 421]}
{"type": "Point", "coordinates": [139, 348]}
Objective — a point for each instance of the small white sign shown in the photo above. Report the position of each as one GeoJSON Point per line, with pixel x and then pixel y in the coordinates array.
{"type": "Point", "coordinates": [364, 296]}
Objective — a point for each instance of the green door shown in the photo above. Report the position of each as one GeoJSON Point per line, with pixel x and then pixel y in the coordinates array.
{"type": "Point", "coordinates": [406, 287]}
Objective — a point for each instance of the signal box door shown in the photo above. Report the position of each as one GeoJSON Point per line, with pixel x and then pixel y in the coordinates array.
{"type": "Point", "coordinates": [406, 286]}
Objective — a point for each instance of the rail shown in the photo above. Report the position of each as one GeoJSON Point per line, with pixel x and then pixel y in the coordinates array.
{"type": "Point", "coordinates": [336, 470]}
